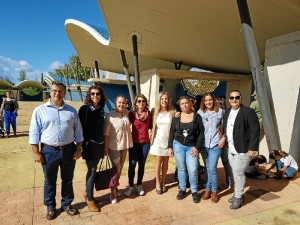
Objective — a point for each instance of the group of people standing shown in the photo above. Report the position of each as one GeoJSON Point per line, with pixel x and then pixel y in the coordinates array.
{"type": "Point", "coordinates": [161, 132]}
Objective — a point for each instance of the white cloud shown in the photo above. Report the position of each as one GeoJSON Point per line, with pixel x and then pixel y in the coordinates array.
{"type": "Point", "coordinates": [10, 68]}
{"type": "Point", "coordinates": [55, 65]}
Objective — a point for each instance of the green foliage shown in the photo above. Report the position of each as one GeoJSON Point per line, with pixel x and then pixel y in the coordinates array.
{"type": "Point", "coordinates": [73, 69]}
{"type": "Point", "coordinates": [31, 91]}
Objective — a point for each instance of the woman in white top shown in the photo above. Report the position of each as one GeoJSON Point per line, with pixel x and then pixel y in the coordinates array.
{"type": "Point", "coordinates": [285, 164]}
{"type": "Point", "coordinates": [118, 138]}
{"type": "Point", "coordinates": [162, 119]}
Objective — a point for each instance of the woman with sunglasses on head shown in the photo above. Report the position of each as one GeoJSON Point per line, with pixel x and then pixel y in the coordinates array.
{"type": "Point", "coordinates": [162, 119]}
{"type": "Point", "coordinates": [141, 121]}
{"type": "Point", "coordinates": [118, 138]}
{"type": "Point", "coordinates": [91, 116]}
{"type": "Point", "coordinates": [185, 141]}
{"type": "Point", "coordinates": [212, 117]}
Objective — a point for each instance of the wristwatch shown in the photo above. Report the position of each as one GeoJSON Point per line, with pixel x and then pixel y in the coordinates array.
{"type": "Point", "coordinates": [79, 148]}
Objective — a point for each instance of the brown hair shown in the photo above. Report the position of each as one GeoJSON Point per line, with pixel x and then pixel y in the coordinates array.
{"type": "Point", "coordinates": [136, 99]}
{"type": "Point", "coordinates": [202, 105]}
{"type": "Point", "coordinates": [88, 100]}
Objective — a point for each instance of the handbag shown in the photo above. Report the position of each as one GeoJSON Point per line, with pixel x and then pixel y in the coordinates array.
{"type": "Point", "coordinates": [106, 177]}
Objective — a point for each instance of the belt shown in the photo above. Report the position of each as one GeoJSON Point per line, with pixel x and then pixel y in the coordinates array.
{"type": "Point", "coordinates": [62, 147]}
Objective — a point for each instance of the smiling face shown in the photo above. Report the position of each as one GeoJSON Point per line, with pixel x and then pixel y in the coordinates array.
{"type": "Point", "coordinates": [57, 94]}
{"type": "Point", "coordinates": [95, 96]}
{"type": "Point", "coordinates": [164, 102]}
{"type": "Point", "coordinates": [235, 100]}
{"type": "Point", "coordinates": [141, 104]}
{"type": "Point", "coordinates": [121, 104]}
{"type": "Point", "coordinates": [209, 103]}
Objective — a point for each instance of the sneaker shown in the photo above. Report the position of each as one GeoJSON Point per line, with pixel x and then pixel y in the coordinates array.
{"type": "Point", "coordinates": [129, 191]}
{"type": "Point", "coordinates": [140, 190]}
{"type": "Point", "coordinates": [113, 197]}
{"type": "Point", "coordinates": [180, 195]}
{"type": "Point", "coordinates": [196, 198]}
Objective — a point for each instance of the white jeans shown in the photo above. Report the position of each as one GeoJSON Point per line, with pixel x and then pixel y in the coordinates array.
{"type": "Point", "coordinates": [238, 164]}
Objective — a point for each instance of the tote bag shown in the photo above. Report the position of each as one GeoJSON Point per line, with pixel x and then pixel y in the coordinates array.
{"type": "Point", "coordinates": [106, 177]}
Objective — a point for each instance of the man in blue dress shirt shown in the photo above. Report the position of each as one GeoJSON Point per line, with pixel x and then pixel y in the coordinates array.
{"type": "Point", "coordinates": [56, 126]}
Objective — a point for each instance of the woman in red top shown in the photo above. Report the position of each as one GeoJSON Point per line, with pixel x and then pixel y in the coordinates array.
{"type": "Point", "coordinates": [141, 121]}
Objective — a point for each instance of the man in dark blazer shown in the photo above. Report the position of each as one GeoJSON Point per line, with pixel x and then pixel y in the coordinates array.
{"type": "Point", "coordinates": [241, 127]}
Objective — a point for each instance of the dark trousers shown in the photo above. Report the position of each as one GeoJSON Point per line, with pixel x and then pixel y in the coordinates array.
{"type": "Point", "coordinates": [90, 177]}
{"type": "Point", "coordinates": [54, 159]}
{"type": "Point", "coordinates": [137, 154]}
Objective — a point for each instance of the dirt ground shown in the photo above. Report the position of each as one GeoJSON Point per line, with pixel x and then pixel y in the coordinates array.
{"type": "Point", "coordinates": [17, 168]}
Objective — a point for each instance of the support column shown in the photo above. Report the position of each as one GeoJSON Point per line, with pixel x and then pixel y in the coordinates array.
{"type": "Point", "coordinates": [125, 67]}
{"type": "Point", "coordinates": [150, 86]}
{"type": "Point", "coordinates": [256, 70]}
{"type": "Point", "coordinates": [97, 69]}
{"type": "Point", "coordinates": [136, 64]}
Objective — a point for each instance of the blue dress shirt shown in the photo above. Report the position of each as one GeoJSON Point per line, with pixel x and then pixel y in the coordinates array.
{"type": "Point", "coordinates": [56, 127]}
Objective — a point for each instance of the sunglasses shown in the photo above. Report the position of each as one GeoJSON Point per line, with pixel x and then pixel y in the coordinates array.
{"type": "Point", "coordinates": [139, 101]}
{"type": "Point", "coordinates": [95, 93]}
{"type": "Point", "coordinates": [235, 97]}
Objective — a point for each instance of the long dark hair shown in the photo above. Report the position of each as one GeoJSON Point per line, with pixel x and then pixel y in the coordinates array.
{"type": "Point", "coordinates": [101, 103]}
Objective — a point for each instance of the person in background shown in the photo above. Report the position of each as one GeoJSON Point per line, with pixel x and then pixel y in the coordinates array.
{"type": "Point", "coordinates": [91, 116]}
{"type": "Point", "coordinates": [285, 164]}
{"type": "Point", "coordinates": [141, 121]}
{"type": "Point", "coordinates": [255, 105]}
{"type": "Point", "coordinates": [212, 118]}
{"type": "Point", "coordinates": [221, 102]}
{"type": "Point", "coordinates": [162, 118]}
{"type": "Point", "coordinates": [57, 126]}
{"type": "Point", "coordinates": [241, 128]}
{"type": "Point", "coordinates": [185, 140]}
{"type": "Point", "coordinates": [118, 138]}
{"type": "Point", "coordinates": [254, 170]}
{"type": "Point", "coordinates": [10, 108]}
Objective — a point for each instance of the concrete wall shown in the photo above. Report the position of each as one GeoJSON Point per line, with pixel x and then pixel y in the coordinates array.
{"type": "Point", "coordinates": [282, 76]}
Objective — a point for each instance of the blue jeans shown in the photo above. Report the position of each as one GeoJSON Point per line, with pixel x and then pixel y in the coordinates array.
{"type": "Point", "coordinates": [10, 119]}
{"type": "Point", "coordinates": [137, 154]}
{"type": "Point", "coordinates": [186, 164]}
{"type": "Point", "coordinates": [211, 162]}
{"type": "Point", "coordinates": [289, 172]}
{"type": "Point", "coordinates": [54, 159]}
{"type": "Point", "coordinates": [90, 177]}
{"type": "Point", "coordinates": [227, 167]}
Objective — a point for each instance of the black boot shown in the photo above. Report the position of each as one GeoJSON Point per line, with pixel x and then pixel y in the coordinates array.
{"type": "Point", "coordinates": [236, 203]}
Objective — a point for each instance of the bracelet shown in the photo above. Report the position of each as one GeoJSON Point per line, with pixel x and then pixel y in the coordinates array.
{"type": "Point", "coordinates": [79, 148]}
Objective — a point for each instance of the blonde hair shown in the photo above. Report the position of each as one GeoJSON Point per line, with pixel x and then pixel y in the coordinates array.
{"type": "Point", "coordinates": [157, 109]}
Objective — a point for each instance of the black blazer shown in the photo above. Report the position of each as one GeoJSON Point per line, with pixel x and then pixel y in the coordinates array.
{"type": "Point", "coordinates": [245, 130]}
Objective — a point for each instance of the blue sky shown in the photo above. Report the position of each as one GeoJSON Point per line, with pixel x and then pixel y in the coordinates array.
{"type": "Point", "coordinates": [33, 36]}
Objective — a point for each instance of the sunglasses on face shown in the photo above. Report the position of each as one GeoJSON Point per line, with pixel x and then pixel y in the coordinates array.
{"type": "Point", "coordinates": [95, 93]}
{"type": "Point", "coordinates": [139, 101]}
{"type": "Point", "coordinates": [235, 97]}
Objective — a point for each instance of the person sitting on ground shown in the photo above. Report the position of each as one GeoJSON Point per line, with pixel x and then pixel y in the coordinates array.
{"type": "Point", "coordinates": [253, 170]}
{"type": "Point", "coordinates": [285, 164]}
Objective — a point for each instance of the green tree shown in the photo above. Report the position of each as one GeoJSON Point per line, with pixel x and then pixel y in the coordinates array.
{"type": "Point", "coordinates": [73, 69]}
{"type": "Point", "coordinates": [22, 75]}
